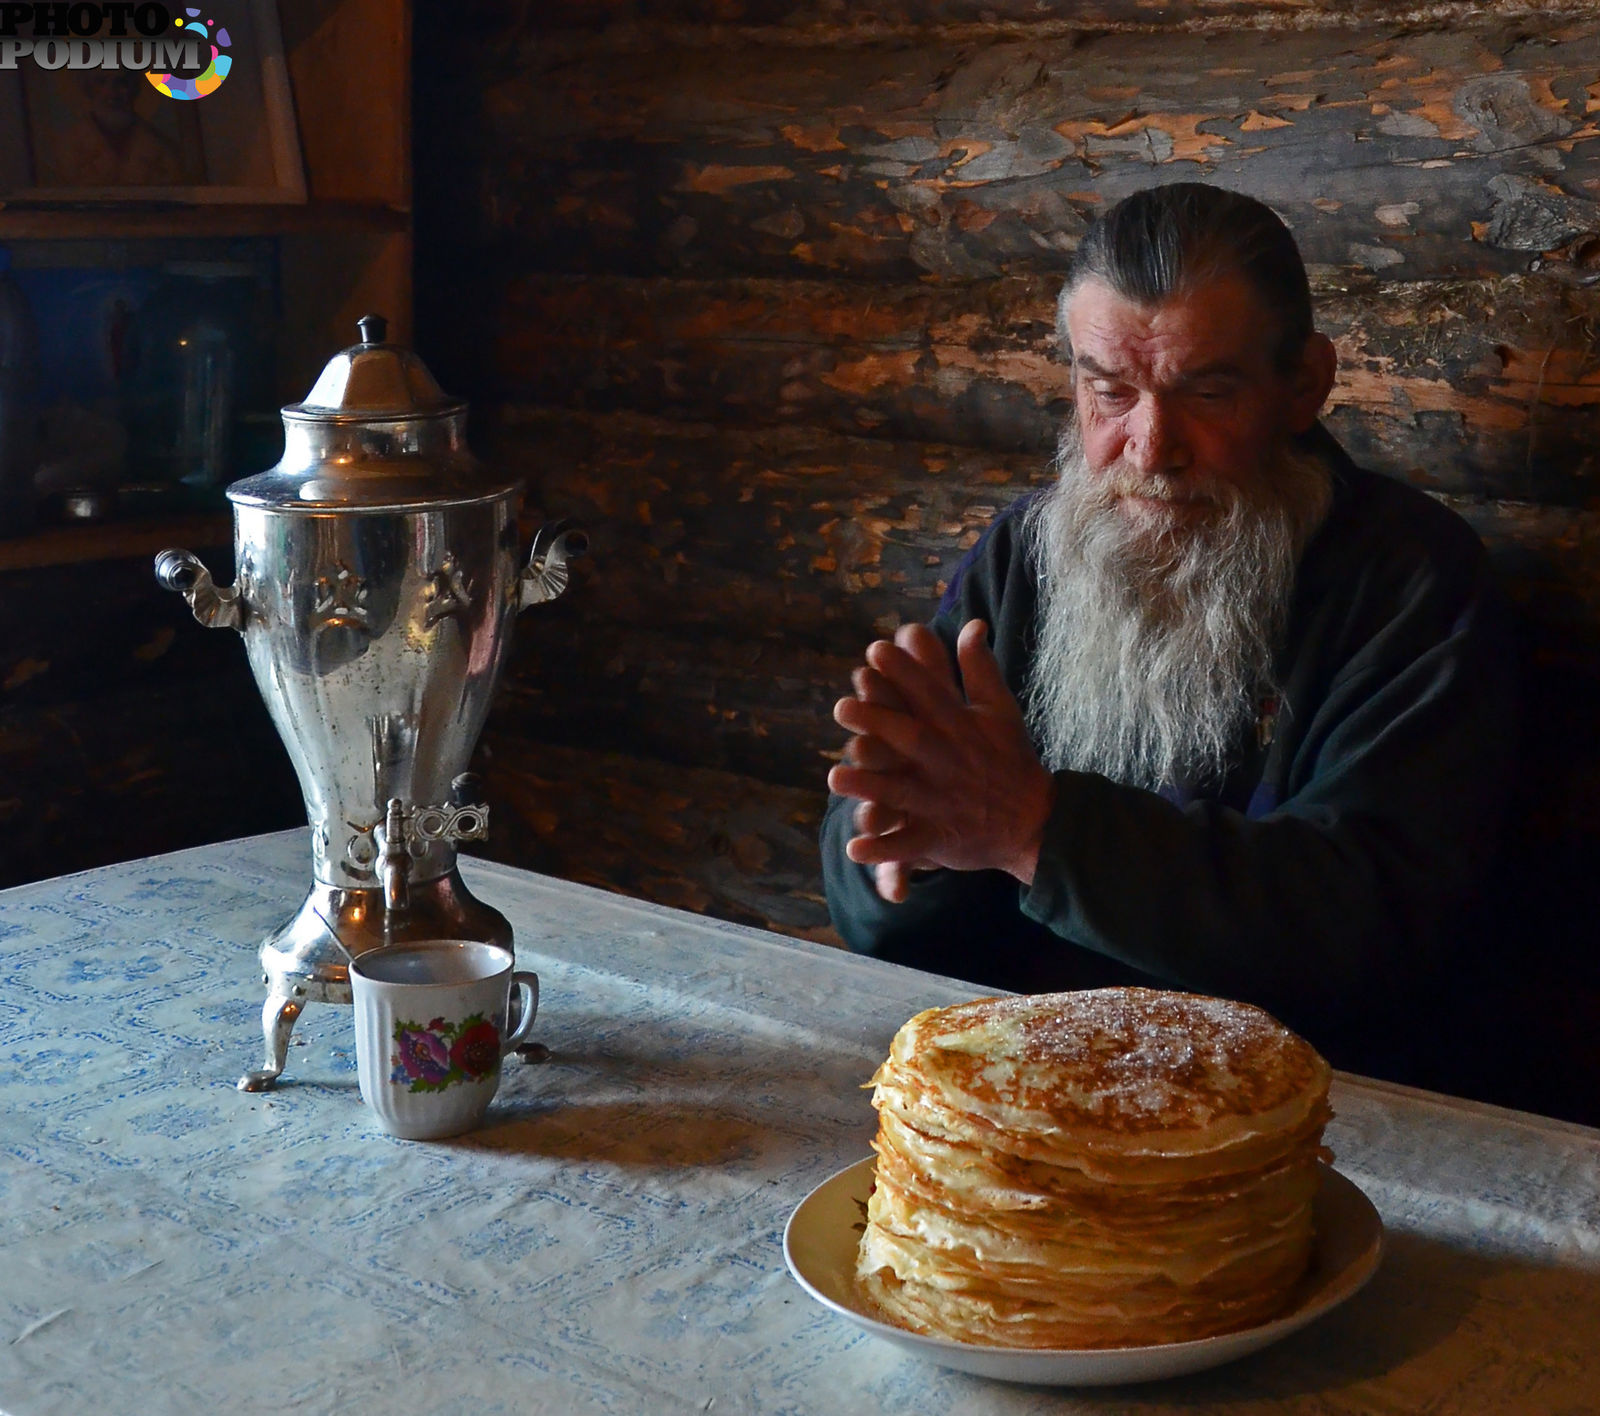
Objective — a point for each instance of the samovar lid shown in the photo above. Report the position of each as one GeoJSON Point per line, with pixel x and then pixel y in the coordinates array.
{"type": "Point", "coordinates": [374, 381]}
{"type": "Point", "coordinates": [375, 431]}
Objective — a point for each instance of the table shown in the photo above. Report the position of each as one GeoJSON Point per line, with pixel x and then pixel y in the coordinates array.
{"type": "Point", "coordinates": [611, 1241]}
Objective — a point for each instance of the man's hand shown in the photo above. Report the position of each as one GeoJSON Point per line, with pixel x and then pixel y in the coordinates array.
{"type": "Point", "coordinates": [941, 779]}
{"type": "Point", "coordinates": [892, 878]}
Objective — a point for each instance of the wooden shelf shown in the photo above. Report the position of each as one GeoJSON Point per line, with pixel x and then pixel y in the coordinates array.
{"type": "Point", "coordinates": [114, 540]}
{"type": "Point", "coordinates": [135, 222]}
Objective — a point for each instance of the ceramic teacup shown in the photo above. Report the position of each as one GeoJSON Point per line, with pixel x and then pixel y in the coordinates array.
{"type": "Point", "coordinates": [433, 1021]}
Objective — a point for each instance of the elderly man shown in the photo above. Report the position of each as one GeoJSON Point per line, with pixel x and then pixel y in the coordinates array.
{"type": "Point", "coordinates": [1218, 710]}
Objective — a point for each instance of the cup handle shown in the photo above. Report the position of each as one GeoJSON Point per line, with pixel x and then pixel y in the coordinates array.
{"type": "Point", "coordinates": [526, 988]}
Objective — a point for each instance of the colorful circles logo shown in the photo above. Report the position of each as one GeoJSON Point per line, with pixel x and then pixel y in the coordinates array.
{"type": "Point", "coordinates": [215, 72]}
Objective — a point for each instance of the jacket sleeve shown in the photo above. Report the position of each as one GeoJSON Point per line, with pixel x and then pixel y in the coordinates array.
{"type": "Point", "coordinates": [1346, 891]}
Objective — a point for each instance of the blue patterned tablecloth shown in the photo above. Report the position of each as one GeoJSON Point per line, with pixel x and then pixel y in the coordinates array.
{"type": "Point", "coordinates": [610, 1242]}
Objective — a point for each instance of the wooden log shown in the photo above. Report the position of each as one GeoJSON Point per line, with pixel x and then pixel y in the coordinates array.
{"type": "Point", "coordinates": [797, 534]}
{"type": "Point", "coordinates": [1479, 388]}
{"type": "Point", "coordinates": [126, 728]}
{"type": "Point", "coordinates": [810, 539]}
{"type": "Point", "coordinates": [695, 839]}
{"type": "Point", "coordinates": [815, 22]}
{"type": "Point", "coordinates": [1548, 558]}
{"type": "Point", "coordinates": [1407, 154]}
{"type": "Point", "coordinates": [758, 708]}
{"type": "Point", "coordinates": [71, 633]}
{"type": "Point", "coordinates": [972, 364]}
{"type": "Point", "coordinates": [135, 770]}
{"type": "Point", "coordinates": [1486, 389]}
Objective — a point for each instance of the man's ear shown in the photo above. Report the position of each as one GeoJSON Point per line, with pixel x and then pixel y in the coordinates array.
{"type": "Point", "coordinates": [1311, 383]}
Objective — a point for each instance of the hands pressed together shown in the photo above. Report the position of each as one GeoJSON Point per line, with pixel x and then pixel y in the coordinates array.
{"type": "Point", "coordinates": [940, 777]}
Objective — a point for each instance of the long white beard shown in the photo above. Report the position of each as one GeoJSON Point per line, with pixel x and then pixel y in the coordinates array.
{"type": "Point", "coordinates": [1156, 635]}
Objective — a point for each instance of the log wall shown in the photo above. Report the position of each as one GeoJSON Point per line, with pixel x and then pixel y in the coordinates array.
{"type": "Point", "coordinates": [125, 729]}
{"type": "Point", "coordinates": [762, 293]}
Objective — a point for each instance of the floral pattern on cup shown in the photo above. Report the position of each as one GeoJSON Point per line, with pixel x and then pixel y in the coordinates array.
{"type": "Point", "coordinates": [431, 1058]}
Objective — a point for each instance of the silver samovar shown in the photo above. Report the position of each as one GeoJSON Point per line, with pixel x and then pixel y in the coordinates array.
{"type": "Point", "coordinates": [377, 584]}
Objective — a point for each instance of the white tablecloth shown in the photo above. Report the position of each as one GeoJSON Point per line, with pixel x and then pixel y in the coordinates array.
{"type": "Point", "coordinates": [611, 1241]}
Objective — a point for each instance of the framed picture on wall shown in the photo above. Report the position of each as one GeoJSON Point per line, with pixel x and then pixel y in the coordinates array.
{"type": "Point", "coordinates": [124, 130]}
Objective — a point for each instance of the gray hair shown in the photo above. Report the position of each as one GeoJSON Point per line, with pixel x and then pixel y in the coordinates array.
{"type": "Point", "coordinates": [1166, 240]}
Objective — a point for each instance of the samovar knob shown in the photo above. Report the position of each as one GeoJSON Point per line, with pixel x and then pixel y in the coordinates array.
{"type": "Point", "coordinates": [547, 573]}
{"type": "Point", "coordinates": [215, 606]}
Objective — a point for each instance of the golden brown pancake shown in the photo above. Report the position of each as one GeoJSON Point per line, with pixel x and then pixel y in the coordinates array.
{"type": "Point", "coordinates": [1108, 1168]}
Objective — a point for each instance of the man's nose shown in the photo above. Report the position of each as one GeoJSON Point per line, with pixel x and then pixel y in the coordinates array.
{"type": "Point", "coordinates": [1156, 443]}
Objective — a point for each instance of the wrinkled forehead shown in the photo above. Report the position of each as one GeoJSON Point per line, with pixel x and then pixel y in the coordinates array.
{"type": "Point", "coordinates": [1219, 326]}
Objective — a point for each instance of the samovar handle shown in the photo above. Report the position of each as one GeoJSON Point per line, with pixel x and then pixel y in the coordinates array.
{"type": "Point", "coordinates": [215, 606]}
{"type": "Point", "coordinates": [546, 574]}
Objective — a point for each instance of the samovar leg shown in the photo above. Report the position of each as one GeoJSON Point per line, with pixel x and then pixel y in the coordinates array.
{"type": "Point", "coordinates": [278, 1015]}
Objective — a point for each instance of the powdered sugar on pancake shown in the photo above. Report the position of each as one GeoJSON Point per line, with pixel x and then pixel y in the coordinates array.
{"type": "Point", "coordinates": [1122, 1059]}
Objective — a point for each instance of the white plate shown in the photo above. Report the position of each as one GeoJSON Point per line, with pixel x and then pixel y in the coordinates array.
{"type": "Point", "coordinates": [819, 1245]}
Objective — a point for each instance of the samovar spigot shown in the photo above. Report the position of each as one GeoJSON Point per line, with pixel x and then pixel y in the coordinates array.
{"type": "Point", "coordinates": [394, 867]}
{"type": "Point", "coordinates": [465, 817]}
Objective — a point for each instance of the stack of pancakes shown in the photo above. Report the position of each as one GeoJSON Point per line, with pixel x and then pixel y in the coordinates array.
{"type": "Point", "coordinates": [1102, 1169]}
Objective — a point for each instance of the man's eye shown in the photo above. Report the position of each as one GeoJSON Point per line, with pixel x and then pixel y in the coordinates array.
{"type": "Point", "coordinates": [1113, 395]}
{"type": "Point", "coordinates": [1212, 393]}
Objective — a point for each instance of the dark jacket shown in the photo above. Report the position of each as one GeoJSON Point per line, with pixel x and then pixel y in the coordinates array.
{"type": "Point", "coordinates": [1327, 877]}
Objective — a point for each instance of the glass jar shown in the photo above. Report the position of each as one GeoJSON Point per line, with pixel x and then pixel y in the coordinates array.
{"type": "Point", "coordinates": [200, 366]}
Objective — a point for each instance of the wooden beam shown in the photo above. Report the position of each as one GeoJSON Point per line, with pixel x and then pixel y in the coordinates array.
{"type": "Point", "coordinates": [793, 534]}
{"type": "Point", "coordinates": [813, 539]}
{"type": "Point", "coordinates": [1402, 153]}
{"type": "Point", "coordinates": [1479, 388]}
{"type": "Point", "coordinates": [826, 22]}
{"type": "Point", "coordinates": [712, 842]}
{"type": "Point", "coordinates": [696, 698]}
